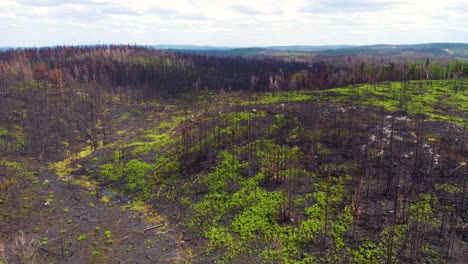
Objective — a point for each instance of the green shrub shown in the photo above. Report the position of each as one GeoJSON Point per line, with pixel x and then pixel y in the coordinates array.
{"type": "Point", "coordinates": [136, 174]}
{"type": "Point", "coordinates": [108, 234]}
{"type": "Point", "coordinates": [226, 173]}
{"type": "Point", "coordinates": [111, 171]}
{"type": "Point", "coordinates": [81, 238]}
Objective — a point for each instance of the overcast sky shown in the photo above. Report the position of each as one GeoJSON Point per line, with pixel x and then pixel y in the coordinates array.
{"type": "Point", "coordinates": [231, 22]}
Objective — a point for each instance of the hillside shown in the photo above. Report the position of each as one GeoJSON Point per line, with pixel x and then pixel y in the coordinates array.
{"type": "Point", "coordinates": [124, 153]}
{"type": "Point", "coordinates": [453, 50]}
{"type": "Point", "coordinates": [418, 51]}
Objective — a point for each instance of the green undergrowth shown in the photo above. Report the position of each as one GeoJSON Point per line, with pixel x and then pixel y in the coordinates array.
{"type": "Point", "coordinates": [64, 168]}
{"type": "Point", "coordinates": [11, 140]}
{"type": "Point", "coordinates": [240, 217]}
{"type": "Point", "coordinates": [156, 139]}
{"type": "Point", "coordinates": [141, 165]}
{"type": "Point", "coordinates": [439, 100]}
{"type": "Point", "coordinates": [236, 117]}
{"type": "Point", "coordinates": [280, 97]}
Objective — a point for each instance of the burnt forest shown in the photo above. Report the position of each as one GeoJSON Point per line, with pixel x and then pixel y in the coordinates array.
{"type": "Point", "coordinates": [143, 154]}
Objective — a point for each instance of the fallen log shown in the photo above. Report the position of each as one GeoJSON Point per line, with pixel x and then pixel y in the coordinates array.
{"type": "Point", "coordinates": [153, 227]}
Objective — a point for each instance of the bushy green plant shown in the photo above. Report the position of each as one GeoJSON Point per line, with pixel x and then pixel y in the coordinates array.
{"type": "Point", "coordinates": [449, 188]}
{"type": "Point", "coordinates": [226, 173]}
{"type": "Point", "coordinates": [111, 171]}
{"type": "Point", "coordinates": [108, 234]}
{"type": "Point", "coordinates": [136, 174]}
{"type": "Point", "coordinates": [220, 239]}
{"type": "Point", "coordinates": [258, 219]}
{"type": "Point", "coordinates": [367, 253]}
{"type": "Point", "coordinates": [423, 211]}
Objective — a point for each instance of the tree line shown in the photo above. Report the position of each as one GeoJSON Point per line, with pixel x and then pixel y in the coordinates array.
{"type": "Point", "coordinates": [157, 72]}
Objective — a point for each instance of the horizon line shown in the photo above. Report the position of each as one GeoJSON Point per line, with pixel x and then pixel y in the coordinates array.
{"type": "Point", "coordinates": [227, 47]}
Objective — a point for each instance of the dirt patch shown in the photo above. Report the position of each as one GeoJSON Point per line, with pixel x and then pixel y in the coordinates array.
{"type": "Point", "coordinates": [48, 220]}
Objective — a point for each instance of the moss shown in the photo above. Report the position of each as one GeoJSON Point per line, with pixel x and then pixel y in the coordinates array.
{"type": "Point", "coordinates": [108, 234]}
{"type": "Point", "coordinates": [105, 199]}
{"type": "Point", "coordinates": [44, 241]}
{"type": "Point", "coordinates": [434, 98]}
{"type": "Point", "coordinates": [125, 116]}
{"type": "Point", "coordinates": [281, 97]}
{"type": "Point", "coordinates": [237, 117]}
{"type": "Point", "coordinates": [138, 206]}
{"type": "Point", "coordinates": [63, 168]}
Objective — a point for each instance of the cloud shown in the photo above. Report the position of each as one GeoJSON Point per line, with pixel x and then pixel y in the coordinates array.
{"type": "Point", "coordinates": [345, 6]}
{"type": "Point", "coordinates": [245, 9]}
{"type": "Point", "coordinates": [231, 23]}
{"type": "Point", "coordinates": [52, 3]}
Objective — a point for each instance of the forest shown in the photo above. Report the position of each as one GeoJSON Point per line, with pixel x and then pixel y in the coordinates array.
{"type": "Point", "coordinates": [127, 153]}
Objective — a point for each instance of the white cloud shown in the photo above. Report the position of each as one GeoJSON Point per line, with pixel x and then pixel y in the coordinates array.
{"type": "Point", "coordinates": [231, 23]}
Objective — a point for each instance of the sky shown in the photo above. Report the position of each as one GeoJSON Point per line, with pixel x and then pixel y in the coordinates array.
{"type": "Point", "coordinates": [236, 23]}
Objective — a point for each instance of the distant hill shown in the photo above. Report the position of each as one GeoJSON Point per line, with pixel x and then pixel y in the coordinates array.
{"type": "Point", "coordinates": [305, 48]}
{"type": "Point", "coordinates": [6, 48]}
{"type": "Point", "coordinates": [189, 47]}
{"type": "Point", "coordinates": [452, 50]}
{"type": "Point", "coordinates": [298, 50]}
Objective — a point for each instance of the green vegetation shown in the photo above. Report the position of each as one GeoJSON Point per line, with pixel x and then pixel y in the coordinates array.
{"type": "Point", "coordinates": [440, 100]}
{"type": "Point", "coordinates": [12, 140]}
{"type": "Point", "coordinates": [44, 241]}
{"type": "Point", "coordinates": [136, 175]}
{"type": "Point", "coordinates": [81, 237]}
{"type": "Point", "coordinates": [281, 97]}
{"type": "Point", "coordinates": [449, 188]}
{"type": "Point", "coordinates": [108, 234]}
{"type": "Point", "coordinates": [367, 253]}
{"type": "Point", "coordinates": [253, 211]}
